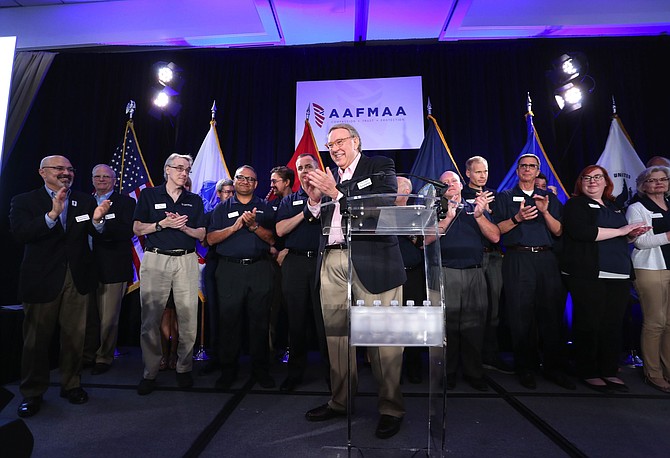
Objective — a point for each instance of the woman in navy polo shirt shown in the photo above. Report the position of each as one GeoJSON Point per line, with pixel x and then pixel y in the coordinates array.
{"type": "Point", "coordinates": [597, 266]}
{"type": "Point", "coordinates": [651, 260]}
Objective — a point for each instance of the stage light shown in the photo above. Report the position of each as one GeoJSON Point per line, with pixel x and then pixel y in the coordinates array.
{"type": "Point", "coordinates": [569, 97]}
{"type": "Point", "coordinates": [570, 81]}
{"type": "Point", "coordinates": [161, 100]}
{"type": "Point", "coordinates": [169, 75]}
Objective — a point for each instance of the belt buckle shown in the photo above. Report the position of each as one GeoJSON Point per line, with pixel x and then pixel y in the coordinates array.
{"type": "Point", "coordinates": [246, 262]}
{"type": "Point", "coordinates": [535, 249]}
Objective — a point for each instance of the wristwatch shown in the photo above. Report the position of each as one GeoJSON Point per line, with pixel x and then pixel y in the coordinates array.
{"type": "Point", "coordinates": [158, 226]}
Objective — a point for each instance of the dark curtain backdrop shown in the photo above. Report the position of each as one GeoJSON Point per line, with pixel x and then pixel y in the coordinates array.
{"type": "Point", "coordinates": [477, 90]}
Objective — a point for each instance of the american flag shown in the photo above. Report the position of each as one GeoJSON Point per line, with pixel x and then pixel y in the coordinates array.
{"type": "Point", "coordinates": [132, 176]}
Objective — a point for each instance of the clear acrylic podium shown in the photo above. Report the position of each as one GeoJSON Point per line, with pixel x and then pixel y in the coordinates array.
{"type": "Point", "coordinates": [421, 325]}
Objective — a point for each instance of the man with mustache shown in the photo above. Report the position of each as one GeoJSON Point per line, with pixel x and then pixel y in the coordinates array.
{"type": "Point", "coordinates": [57, 274]}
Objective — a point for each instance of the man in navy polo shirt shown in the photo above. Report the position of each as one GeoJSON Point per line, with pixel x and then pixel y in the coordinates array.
{"type": "Point", "coordinates": [529, 220]}
{"type": "Point", "coordinates": [301, 232]}
{"type": "Point", "coordinates": [171, 219]}
{"type": "Point", "coordinates": [464, 231]}
{"type": "Point", "coordinates": [242, 228]}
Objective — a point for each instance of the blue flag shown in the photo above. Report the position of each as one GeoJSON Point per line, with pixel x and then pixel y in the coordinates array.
{"type": "Point", "coordinates": [434, 157]}
{"type": "Point", "coordinates": [534, 146]}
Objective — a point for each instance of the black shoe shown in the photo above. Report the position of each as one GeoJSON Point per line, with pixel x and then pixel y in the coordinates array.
{"type": "Point", "coordinates": [100, 368]}
{"type": "Point", "coordinates": [290, 383]}
{"type": "Point", "coordinates": [265, 381]}
{"type": "Point", "coordinates": [451, 381]}
{"type": "Point", "coordinates": [146, 386]}
{"type": "Point", "coordinates": [599, 388]}
{"type": "Point", "coordinates": [498, 365]}
{"type": "Point", "coordinates": [614, 386]}
{"type": "Point", "coordinates": [527, 380]}
{"type": "Point", "coordinates": [184, 379]}
{"type": "Point", "coordinates": [209, 368]}
{"type": "Point", "coordinates": [388, 426]}
{"type": "Point", "coordinates": [478, 383]}
{"type": "Point", "coordinates": [75, 395]}
{"type": "Point", "coordinates": [29, 406]}
{"type": "Point", "coordinates": [224, 382]}
{"type": "Point", "coordinates": [560, 379]}
{"type": "Point", "coordinates": [323, 413]}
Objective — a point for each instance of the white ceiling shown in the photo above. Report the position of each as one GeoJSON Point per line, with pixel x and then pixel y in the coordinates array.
{"type": "Point", "coordinates": [56, 24]}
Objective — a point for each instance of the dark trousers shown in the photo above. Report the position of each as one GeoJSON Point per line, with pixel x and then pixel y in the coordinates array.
{"type": "Point", "coordinates": [303, 309]}
{"type": "Point", "coordinates": [244, 289]}
{"type": "Point", "coordinates": [68, 310]}
{"type": "Point", "coordinates": [414, 289]}
{"type": "Point", "coordinates": [211, 303]}
{"type": "Point", "coordinates": [492, 264]}
{"type": "Point", "coordinates": [599, 306]}
{"type": "Point", "coordinates": [533, 292]}
{"type": "Point", "coordinates": [466, 305]}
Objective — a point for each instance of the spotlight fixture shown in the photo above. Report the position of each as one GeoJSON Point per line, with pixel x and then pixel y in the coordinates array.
{"type": "Point", "coordinates": [570, 80]}
{"type": "Point", "coordinates": [169, 74]}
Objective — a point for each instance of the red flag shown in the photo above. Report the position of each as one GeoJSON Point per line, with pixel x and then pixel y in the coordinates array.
{"type": "Point", "coordinates": [307, 145]}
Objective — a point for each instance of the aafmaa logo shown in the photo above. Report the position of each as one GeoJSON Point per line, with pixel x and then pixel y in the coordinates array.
{"type": "Point", "coordinates": [319, 114]}
{"type": "Point", "coordinates": [357, 112]}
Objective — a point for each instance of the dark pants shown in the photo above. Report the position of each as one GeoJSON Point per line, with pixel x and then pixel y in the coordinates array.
{"type": "Point", "coordinates": [492, 264]}
{"type": "Point", "coordinates": [533, 292]}
{"type": "Point", "coordinates": [68, 310]}
{"type": "Point", "coordinates": [599, 306]}
{"type": "Point", "coordinates": [211, 303]}
{"type": "Point", "coordinates": [414, 289]}
{"type": "Point", "coordinates": [466, 305]}
{"type": "Point", "coordinates": [244, 289]}
{"type": "Point", "coordinates": [303, 308]}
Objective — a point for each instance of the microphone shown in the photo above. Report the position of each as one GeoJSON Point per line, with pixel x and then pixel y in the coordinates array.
{"type": "Point", "coordinates": [439, 186]}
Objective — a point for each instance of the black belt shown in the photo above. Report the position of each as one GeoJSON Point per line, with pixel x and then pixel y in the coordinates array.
{"type": "Point", "coordinates": [309, 254]}
{"type": "Point", "coordinates": [337, 246]}
{"type": "Point", "coordinates": [170, 252]}
{"type": "Point", "coordinates": [474, 266]}
{"type": "Point", "coordinates": [491, 250]}
{"type": "Point", "coordinates": [243, 261]}
{"type": "Point", "coordinates": [530, 249]}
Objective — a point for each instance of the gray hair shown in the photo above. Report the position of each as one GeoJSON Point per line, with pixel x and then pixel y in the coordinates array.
{"type": "Point", "coordinates": [473, 159]}
{"type": "Point", "coordinates": [172, 157]}
{"type": "Point", "coordinates": [104, 165]}
{"type": "Point", "coordinates": [223, 182]}
{"type": "Point", "coordinates": [529, 155]}
{"type": "Point", "coordinates": [646, 173]}
{"type": "Point", "coordinates": [352, 132]}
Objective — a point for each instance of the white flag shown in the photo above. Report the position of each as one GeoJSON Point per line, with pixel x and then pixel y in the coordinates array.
{"type": "Point", "coordinates": [621, 161]}
{"type": "Point", "coordinates": [208, 168]}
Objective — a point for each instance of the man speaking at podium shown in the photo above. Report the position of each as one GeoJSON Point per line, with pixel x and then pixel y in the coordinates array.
{"type": "Point", "coordinates": [378, 273]}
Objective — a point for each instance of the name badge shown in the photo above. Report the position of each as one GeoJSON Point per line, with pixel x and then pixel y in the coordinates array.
{"type": "Point", "coordinates": [298, 202]}
{"type": "Point", "coordinates": [656, 215]}
{"type": "Point", "coordinates": [110, 216]}
{"type": "Point", "coordinates": [74, 203]}
{"type": "Point", "coordinates": [160, 206]}
{"type": "Point", "coordinates": [185, 204]}
{"type": "Point", "coordinates": [234, 214]}
{"type": "Point", "coordinates": [273, 207]}
{"type": "Point", "coordinates": [518, 199]}
{"type": "Point", "coordinates": [470, 213]}
{"type": "Point", "coordinates": [594, 205]}
{"type": "Point", "coordinates": [81, 218]}
{"type": "Point", "coordinates": [470, 201]}
{"type": "Point", "coordinates": [259, 212]}
{"type": "Point", "coordinates": [365, 183]}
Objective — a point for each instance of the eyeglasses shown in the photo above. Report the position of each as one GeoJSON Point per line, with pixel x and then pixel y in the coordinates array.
{"type": "Point", "coordinates": [226, 191]}
{"type": "Point", "coordinates": [528, 166]}
{"type": "Point", "coordinates": [596, 178]}
{"type": "Point", "coordinates": [338, 143]}
{"type": "Point", "coordinates": [273, 181]}
{"type": "Point", "coordinates": [247, 179]}
{"type": "Point", "coordinates": [181, 168]}
{"type": "Point", "coordinates": [657, 180]}
{"type": "Point", "coordinates": [59, 168]}
{"type": "Point", "coordinates": [102, 177]}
